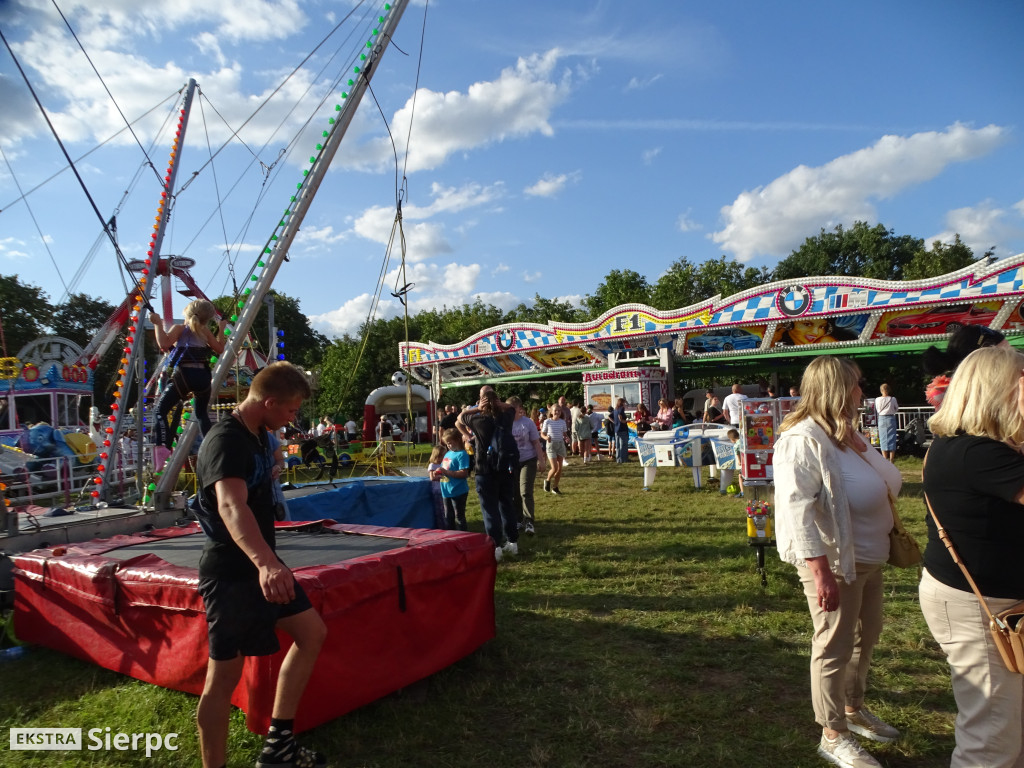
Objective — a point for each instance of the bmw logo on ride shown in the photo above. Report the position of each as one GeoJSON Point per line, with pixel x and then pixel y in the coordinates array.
{"type": "Point", "coordinates": [793, 300]}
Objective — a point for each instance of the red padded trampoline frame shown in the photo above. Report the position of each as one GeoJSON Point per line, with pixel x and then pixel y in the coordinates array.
{"type": "Point", "coordinates": [393, 618]}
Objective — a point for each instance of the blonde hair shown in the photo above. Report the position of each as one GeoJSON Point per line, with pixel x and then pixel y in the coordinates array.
{"type": "Point", "coordinates": [281, 380]}
{"type": "Point", "coordinates": [452, 435]}
{"type": "Point", "coordinates": [437, 454]}
{"type": "Point", "coordinates": [982, 397]}
{"type": "Point", "coordinates": [198, 314]}
{"type": "Point", "coordinates": [826, 397]}
{"type": "Point", "coordinates": [886, 390]}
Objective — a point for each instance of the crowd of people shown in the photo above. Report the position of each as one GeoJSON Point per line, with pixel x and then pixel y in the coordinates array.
{"type": "Point", "coordinates": [835, 510]}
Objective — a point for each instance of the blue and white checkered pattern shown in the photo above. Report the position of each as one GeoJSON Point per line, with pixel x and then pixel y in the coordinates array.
{"type": "Point", "coordinates": [758, 308]}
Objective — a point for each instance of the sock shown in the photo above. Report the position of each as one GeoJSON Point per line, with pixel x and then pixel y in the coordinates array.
{"type": "Point", "coordinates": [279, 746]}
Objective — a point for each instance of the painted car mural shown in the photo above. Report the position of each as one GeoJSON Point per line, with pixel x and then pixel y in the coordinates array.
{"type": "Point", "coordinates": [724, 340]}
{"type": "Point", "coordinates": [940, 320]}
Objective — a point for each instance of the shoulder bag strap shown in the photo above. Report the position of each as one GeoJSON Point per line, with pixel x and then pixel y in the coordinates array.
{"type": "Point", "coordinates": [896, 522]}
{"type": "Point", "coordinates": [956, 559]}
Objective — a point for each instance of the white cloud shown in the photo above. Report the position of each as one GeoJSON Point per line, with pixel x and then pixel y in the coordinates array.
{"type": "Point", "coordinates": [207, 44]}
{"type": "Point", "coordinates": [518, 104]}
{"type": "Point", "coordinates": [983, 226]}
{"type": "Point", "coordinates": [649, 155]}
{"type": "Point", "coordinates": [434, 286]}
{"type": "Point", "coordinates": [550, 185]}
{"type": "Point", "coordinates": [686, 223]}
{"type": "Point", "coordinates": [318, 237]}
{"type": "Point", "coordinates": [122, 37]}
{"type": "Point", "coordinates": [424, 239]}
{"type": "Point", "coordinates": [640, 84]}
{"type": "Point", "coordinates": [776, 218]}
{"type": "Point", "coordinates": [500, 269]}
{"type": "Point", "coordinates": [233, 20]}
{"type": "Point", "coordinates": [532, 277]}
{"type": "Point", "coordinates": [454, 199]}
{"type": "Point", "coordinates": [11, 249]}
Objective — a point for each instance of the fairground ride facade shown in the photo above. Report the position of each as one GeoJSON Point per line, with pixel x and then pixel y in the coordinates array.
{"type": "Point", "coordinates": [769, 326]}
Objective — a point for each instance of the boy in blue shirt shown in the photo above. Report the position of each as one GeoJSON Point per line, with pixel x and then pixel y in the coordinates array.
{"type": "Point", "coordinates": [452, 474]}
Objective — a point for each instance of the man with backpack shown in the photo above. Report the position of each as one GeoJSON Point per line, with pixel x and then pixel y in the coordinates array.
{"type": "Point", "coordinates": [497, 466]}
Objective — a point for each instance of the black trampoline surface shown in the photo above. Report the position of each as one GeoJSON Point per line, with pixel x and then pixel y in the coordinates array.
{"type": "Point", "coordinates": [296, 549]}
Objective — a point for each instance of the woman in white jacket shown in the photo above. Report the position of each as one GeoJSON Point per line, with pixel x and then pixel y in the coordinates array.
{"type": "Point", "coordinates": [833, 519]}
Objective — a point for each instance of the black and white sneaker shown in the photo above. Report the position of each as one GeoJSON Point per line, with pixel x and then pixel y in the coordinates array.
{"type": "Point", "coordinates": [547, 486]}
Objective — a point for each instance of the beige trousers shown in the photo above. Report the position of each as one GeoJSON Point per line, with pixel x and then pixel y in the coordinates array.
{"type": "Point", "coordinates": [989, 697]}
{"type": "Point", "coordinates": [842, 643]}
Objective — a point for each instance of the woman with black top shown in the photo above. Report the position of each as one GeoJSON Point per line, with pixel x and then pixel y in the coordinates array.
{"type": "Point", "coordinates": [193, 345]}
{"type": "Point", "coordinates": [974, 479]}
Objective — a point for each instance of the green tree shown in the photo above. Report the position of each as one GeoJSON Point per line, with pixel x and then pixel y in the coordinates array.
{"type": "Point", "coordinates": [24, 310]}
{"type": "Point", "coordinates": [80, 318]}
{"type": "Point", "coordinates": [544, 310]}
{"type": "Point", "coordinates": [353, 367]}
{"type": "Point", "coordinates": [302, 344]}
{"type": "Point", "coordinates": [860, 251]}
{"type": "Point", "coordinates": [450, 325]}
{"type": "Point", "coordinates": [618, 287]}
{"type": "Point", "coordinates": [684, 284]}
{"type": "Point", "coordinates": [941, 259]}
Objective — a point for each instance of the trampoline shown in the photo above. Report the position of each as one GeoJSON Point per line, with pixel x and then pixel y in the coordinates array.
{"type": "Point", "coordinates": [399, 604]}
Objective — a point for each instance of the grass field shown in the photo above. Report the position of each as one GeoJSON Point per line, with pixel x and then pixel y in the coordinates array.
{"type": "Point", "coordinates": [633, 630]}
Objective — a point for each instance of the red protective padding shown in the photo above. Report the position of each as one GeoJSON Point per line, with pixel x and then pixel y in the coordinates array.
{"type": "Point", "coordinates": [143, 617]}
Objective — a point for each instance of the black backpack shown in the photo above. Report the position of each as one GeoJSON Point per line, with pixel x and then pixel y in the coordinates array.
{"type": "Point", "coordinates": [502, 453]}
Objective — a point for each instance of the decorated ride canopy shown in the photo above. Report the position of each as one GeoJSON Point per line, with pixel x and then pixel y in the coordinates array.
{"type": "Point", "coordinates": [831, 312]}
{"type": "Point", "coordinates": [44, 383]}
{"type": "Point", "coordinates": [49, 362]}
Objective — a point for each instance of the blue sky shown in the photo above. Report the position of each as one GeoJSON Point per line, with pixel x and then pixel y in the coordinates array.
{"type": "Point", "coordinates": [550, 142]}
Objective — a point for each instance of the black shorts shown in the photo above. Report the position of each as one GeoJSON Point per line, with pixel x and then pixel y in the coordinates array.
{"type": "Point", "coordinates": [239, 619]}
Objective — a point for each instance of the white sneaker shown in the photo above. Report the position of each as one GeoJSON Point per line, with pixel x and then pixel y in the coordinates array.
{"type": "Point", "coordinates": [511, 548]}
{"type": "Point", "coordinates": [846, 752]}
{"type": "Point", "coordinates": [497, 554]}
{"type": "Point", "coordinates": [870, 726]}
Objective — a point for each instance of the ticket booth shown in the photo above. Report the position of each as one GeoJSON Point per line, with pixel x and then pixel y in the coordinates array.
{"type": "Point", "coordinates": [602, 389]}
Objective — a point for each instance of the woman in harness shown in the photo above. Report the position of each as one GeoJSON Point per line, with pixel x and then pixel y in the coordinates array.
{"type": "Point", "coordinates": [194, 343]}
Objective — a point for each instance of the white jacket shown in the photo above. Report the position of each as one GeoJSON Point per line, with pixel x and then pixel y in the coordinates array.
{"type": "Point", "coordinates": [812, 516]}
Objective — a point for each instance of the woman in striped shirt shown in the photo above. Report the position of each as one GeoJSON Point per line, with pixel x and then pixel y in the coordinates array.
{"type": "Point", "coordinates": [553, 430]}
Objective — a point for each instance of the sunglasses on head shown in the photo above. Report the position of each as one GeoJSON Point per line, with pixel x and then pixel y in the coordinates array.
{"type": "Point", "coordinates": [987, 337]}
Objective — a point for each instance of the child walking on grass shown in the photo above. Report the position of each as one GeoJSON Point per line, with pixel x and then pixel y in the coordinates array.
{"type": "Point", "coordinates": [735, 437]}
{"type": "Point", "coordinates": [434, 463]}
{"type": "Point", "coordinates": [452, 476]}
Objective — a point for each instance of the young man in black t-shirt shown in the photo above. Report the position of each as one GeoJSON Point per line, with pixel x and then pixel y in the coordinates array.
{"type": "Point", "coordinates": [248, 592]}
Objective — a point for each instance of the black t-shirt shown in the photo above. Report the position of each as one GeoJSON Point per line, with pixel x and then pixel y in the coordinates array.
{"type": "Point", "coordinates": [231, 450]}
{"type": "Point", "coordinates": [482, 425]}
{"type": "Point", "coordinates": [715, 416]}
{"type": "Point", "coordinates": [448, 422]}
{"type": "Point", "coordinates": [972, 483]}
{"type": "Point", "coordinates": [621, 422]}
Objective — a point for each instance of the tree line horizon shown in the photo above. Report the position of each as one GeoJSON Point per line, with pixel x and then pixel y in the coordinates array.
{"type": "Point", "coordinates": [345, 369]}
